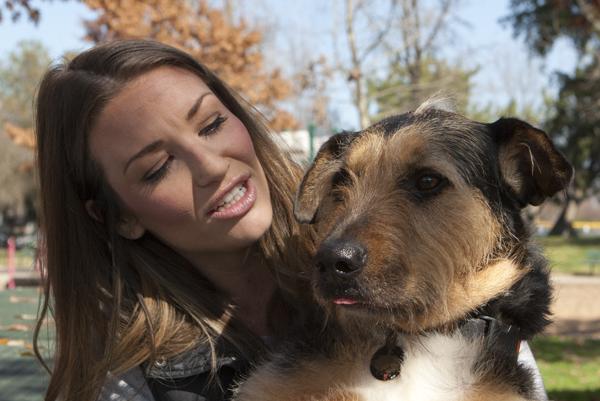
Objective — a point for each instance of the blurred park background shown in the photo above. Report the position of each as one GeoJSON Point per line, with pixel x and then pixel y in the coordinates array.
{"type": "Point", "coordinates": [316, 67]}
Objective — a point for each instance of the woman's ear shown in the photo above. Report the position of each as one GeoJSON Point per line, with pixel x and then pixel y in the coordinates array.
{"type": "Point", "coordinates": [93, 211]}
{"type": "Point", "coordinates": [129, 227]}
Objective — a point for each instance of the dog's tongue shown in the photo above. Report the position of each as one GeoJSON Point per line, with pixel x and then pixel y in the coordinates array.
{"type": "Point", "coordinates": [344, 301]}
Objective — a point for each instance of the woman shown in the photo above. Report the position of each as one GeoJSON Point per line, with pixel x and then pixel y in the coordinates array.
{"type": "Point", "coordinates": [166, 210]}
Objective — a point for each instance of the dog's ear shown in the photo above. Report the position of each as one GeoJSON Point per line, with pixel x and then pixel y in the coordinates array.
{"type": "Point", "coordinates": [530, 165]}
{"type": "Point", "coordinates": [317, 180]}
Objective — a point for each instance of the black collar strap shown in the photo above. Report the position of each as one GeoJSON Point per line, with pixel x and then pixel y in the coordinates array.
{"type": "Point", "coordinates": [500, 339]}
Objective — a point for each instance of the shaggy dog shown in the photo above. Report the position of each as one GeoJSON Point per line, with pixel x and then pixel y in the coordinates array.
{"type": "Point", "coordinates": [424, 265]}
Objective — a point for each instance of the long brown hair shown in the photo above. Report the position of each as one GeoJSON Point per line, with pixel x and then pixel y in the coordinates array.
{"type": "Point", "coordinates": [118, 303]}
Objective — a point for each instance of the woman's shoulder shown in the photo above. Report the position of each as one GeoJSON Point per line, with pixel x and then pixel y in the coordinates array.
{"type": "Point", "coordinates": [130, 386]}
{"type": "Point", "coordinates": [179, 377]}
{"type": "Point", "coordinates": [140, 383]}
{"type": "Point", "coordinates": [527, 359]}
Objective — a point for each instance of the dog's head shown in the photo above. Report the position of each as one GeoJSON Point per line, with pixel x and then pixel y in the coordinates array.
{"type": "Point", "coordinates": [418, 217]}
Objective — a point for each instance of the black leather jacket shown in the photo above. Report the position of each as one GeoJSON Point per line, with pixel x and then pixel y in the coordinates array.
{"type": "Point", "coordinates": [184, 378]}
{"type": "Point", "coordinates": [188, 378]}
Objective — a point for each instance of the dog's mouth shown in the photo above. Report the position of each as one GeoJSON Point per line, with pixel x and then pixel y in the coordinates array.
{"type": "Point", "coordinates": [354, 306]}
{"type": "Point", "coordinates": [337, 296]}
{"type": "Point", "coordinates": [348, 295]}
{"type": "Point", "coordinates": [357, 303]}
{"type": "Point", "coordinates": [351, 294]}
{"type": "Point", "coordinates": [363, 300]}
{"type": "Point", "coordinates": [367, 310]}
{"type": "Point", "coordinates": [348, 299]}
{"type": "Point", "coordinates": [345, 301]}
{"type": "Point", "coordinates": [371, 313]}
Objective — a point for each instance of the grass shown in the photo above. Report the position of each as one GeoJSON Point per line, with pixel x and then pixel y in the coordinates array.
{"type": "Point", "coordinates": [23, 258]}
{"type": "Point", "coordinates": [570, 367]}
{"type": "Point", "coordinates": [21, 376]}
{"type": "Point", "coordinates": [570, 255]}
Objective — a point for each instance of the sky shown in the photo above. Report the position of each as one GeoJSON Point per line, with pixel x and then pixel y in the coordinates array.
{"type": "Point", "coordinates": [60, 28]}
{"type": "Point", "coordinates": [506, 68]}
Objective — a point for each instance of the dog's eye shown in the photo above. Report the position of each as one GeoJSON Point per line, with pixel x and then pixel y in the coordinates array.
{"type": "Point", "coordinates": [429, 182]}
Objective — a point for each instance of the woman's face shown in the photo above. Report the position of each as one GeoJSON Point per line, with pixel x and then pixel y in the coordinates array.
{"type": "Point", "coordinates": [182, 164]}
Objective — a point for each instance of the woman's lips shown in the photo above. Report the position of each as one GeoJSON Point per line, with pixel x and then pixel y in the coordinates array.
{"type": "Point", "coordinates": [239, 207]}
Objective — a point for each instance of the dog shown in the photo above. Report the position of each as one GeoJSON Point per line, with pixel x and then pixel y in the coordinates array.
{"type": "Point", "coordinates": [424, 268]}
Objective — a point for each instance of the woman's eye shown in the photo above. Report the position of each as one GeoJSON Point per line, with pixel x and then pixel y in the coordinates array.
{"type": "Point", "coordinates": [428, 182]}
{"type": "Point", "coordinates": [155, 176]}
{"type": "Point", "coordinates": [213, 127]}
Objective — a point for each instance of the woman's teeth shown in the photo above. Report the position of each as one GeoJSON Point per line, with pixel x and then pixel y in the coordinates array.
{"type": "Point", "coordinates": [232, 196]}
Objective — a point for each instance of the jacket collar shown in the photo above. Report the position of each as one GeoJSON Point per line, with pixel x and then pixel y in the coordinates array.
{"type": "Point", "coordinates": [196, 361]}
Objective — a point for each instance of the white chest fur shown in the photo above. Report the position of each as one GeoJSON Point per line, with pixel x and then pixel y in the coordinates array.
{"type": "Point", "coordinates": [436, 368]}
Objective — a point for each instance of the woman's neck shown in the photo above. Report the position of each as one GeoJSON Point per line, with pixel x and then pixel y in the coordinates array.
{"type": "Point", "coordinates": [246, 279]}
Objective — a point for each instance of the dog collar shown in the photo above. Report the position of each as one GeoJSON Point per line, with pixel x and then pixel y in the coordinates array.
{"type": "Point", "coordinates": [500, 339]}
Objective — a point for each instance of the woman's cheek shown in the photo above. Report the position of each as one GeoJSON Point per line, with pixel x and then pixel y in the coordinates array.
{"type": "Point", "coordinates": [169, 210]}
{"type": "Point", "coordinates": [166, 205]}
{"type": "Point", "coordinates": [240, 141]}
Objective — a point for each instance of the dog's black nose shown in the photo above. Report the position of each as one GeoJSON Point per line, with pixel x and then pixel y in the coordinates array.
{"type": "Point", "coordinates": [343, 258]}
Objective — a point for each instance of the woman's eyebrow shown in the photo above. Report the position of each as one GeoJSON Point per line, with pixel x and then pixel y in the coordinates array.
{"type": "Point", "coordinates": [146, 150]}
{"type": "Point", "coordinates": [157, 144]}
{"type": "Point", "coordinates": [194, 109]}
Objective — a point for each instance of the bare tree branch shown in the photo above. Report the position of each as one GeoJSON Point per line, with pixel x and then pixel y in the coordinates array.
{"type": "Point", "coordinates": [439, 23]}
{"type": "Point", "coordinates": [355, 75]}
{"type": "Point", "coordinates": [383, 32]}
{"type": "Point", "coordinates": [591, 13]}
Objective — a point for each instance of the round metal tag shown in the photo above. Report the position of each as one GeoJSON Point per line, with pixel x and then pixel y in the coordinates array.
{"type": "Point", "coordinates": [386, 363]}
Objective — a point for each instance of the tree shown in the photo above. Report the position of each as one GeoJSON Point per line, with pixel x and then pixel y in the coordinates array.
{"type": "Point", "coordinates": [574, 121]}
{"type": "Point", "coordinates": [398, 93]}
{"type": "Point", "coordinates": [393, 45]}
{"type": "Point", "coordinates": [575, 126]}
{"type": "Point", "coordinates": [19, 76]}
{"type": "Point", "coordinates": [491, 112]}
{"type": "Point", "coordinates": [542, 22]}
{"type": "Point", "coordinates": [311, 98]}
{"type": "Point", "coordinates": [358, 16]}
{"type": "Point", "coordinates": [420, 32]}
{"type": "Point", "coordinates": [229, 48]}
{"type": "Point", "coordinates": [17, 8]}
{"type": "Point", "coordinates": [16, 180]}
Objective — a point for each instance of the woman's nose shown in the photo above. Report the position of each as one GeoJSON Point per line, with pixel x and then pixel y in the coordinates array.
{"type": "Point", "coordinates": [207, 166]}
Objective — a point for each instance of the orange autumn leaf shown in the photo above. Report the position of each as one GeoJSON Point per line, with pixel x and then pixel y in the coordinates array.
{"type": "Point", "coordinates": [20, 136]}
{"type": "Point", "coordinates": [231, 49]}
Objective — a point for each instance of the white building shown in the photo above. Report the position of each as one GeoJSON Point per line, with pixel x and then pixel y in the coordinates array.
{"type": "Point", "coordinates": [298, 144]}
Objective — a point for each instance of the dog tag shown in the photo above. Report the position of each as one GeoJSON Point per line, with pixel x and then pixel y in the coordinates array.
{"type": "Point", "coordinates": [387, 362]}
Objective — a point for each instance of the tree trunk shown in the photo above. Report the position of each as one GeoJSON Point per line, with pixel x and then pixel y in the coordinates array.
{"type": "Point", "coordinates": [356, 75]}
{"type": "Point", "coordinates": [564, 224]}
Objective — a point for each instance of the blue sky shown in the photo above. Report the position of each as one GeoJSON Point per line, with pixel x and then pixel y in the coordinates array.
{"type": "Point", "coordinates": [506, 68]}
{"type": "Point", "coordinates": [60, 28]}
